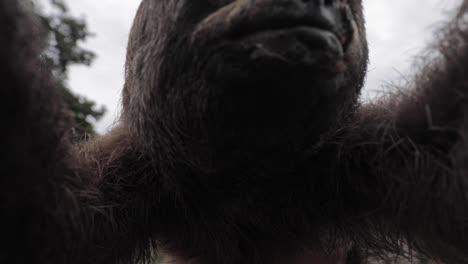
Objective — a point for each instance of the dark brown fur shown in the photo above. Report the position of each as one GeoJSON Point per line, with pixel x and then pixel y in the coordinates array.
{"type": "Point", "coordinates": [194, 173]}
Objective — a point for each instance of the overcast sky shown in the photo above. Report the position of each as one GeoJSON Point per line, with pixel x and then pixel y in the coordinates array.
{"type": "Point", "coordinates": [397, 31]}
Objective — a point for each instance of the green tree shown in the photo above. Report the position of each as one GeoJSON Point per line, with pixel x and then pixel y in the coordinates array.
{"type": "Point", "coordinates": [66, 35]}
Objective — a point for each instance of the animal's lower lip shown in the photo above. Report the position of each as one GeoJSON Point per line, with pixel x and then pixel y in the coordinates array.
{"type": "Point", "coordinates": [289, 43]}
{"type": "Point", "coordinates": [311, 28]}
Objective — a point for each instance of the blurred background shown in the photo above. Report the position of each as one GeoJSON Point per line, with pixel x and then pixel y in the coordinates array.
{"type": "Point", "coordinates": [88, 40]}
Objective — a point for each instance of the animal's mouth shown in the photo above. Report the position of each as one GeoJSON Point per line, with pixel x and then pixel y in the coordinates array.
{"type": "Point", "coordinates": [246, 18]}
{"type": "Point", "coordinates": [283, 32]}
{"type": "Point", "coordinates": [304, 45]}
{"type": "Point", "coordinates": [314, 25]}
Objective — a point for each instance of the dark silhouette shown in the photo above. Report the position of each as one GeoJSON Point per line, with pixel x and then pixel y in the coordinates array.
{"type": "Point", "coordinates": [241, 141]}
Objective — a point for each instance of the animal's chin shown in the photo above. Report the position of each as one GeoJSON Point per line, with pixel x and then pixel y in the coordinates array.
{"type": "Point", "coordinates": [276, 86]}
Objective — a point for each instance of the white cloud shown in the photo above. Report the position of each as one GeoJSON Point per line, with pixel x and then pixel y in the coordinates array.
{"type": "Point", "coordinates": [397, 31]}
{"type": "Point", "coordinates": [110, 20]}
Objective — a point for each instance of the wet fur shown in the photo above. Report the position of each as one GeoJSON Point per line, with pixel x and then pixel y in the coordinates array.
{"type": "Point", "coordinates": [390, 174]}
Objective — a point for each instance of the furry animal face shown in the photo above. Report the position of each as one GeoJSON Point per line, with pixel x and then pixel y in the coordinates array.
{"type": "Point", "coordinates": [242, 74]}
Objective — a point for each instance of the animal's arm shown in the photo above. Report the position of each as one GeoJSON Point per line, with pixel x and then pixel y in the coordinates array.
{"type": "Point", "coordinates": [60, 203]}
{"type": "Point", "coordinates": [34, 148]}
{"type": "Point", "coordinates": [404, 160]}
